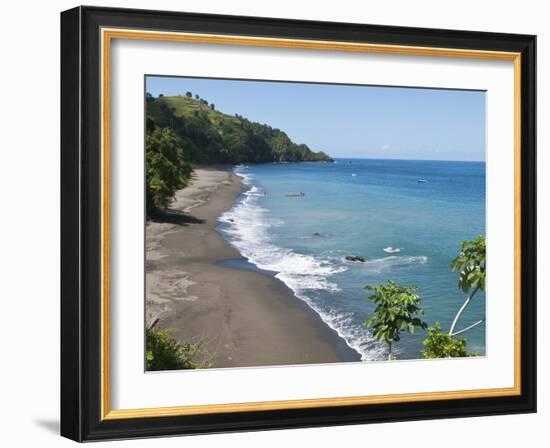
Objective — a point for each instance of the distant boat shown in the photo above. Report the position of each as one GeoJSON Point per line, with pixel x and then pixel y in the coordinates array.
{"type": "Point", "coordinates": [293, 195]}
{"type": "Point", "coordinates": [391, 250]}
{"type": "Point", "coordinates": [421, 181]}
{"type": "Point", "coordinates": [354, 174]}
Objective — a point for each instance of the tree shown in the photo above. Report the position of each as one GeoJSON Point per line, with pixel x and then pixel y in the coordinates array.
{"type": "Point", "coordinates": [397, 309]}
{"type": "Point", "coordinates": [197, 97]}
{"type": "Point", "coordinates": [166, 168]}
{"type": "Point", "coordinates": [188, 94]}
{"type": "Point", "coordinates": [162, 181]}
{"type": "Point", "coordinates": [213, 106]}
{"type": "Point", "coordinates": [441, 345]}
{"type": "Point", "coordinates": [471, 266]}
{"type": "Point", "coordinates": [149, 125]}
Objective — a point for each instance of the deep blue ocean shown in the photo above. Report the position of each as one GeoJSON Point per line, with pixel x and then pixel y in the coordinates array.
{"type": "Point", "coordinates": [419, 211]}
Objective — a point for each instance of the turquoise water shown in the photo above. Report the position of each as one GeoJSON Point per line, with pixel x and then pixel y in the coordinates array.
{"type": "Point", "coordinates": [360, 207]}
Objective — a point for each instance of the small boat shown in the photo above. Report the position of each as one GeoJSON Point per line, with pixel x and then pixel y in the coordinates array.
{"type": "Point", "coordinates": [391, 250]}
{"type": "Point", "coordinates": [421, 181]}
{"type": "Point", "coordinates": [354, 174]}
{"type": "Point", "coordinates": [294, 195]}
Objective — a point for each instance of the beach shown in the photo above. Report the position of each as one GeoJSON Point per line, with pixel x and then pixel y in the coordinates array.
{"type": "Point", "coordinates": [240, 317]}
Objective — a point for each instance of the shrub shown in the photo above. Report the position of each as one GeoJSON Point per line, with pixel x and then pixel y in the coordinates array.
{"type": "Point", "coordinates": [441, 345]}
{"type": "Point", "coordinates": [165, 353]}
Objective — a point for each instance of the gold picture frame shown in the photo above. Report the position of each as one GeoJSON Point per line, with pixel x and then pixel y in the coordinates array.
{"type": "Point", "coordinates": [108, 30]}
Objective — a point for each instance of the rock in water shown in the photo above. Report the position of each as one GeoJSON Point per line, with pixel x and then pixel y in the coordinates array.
{"type": "Point", "coordinates": [355, 258]}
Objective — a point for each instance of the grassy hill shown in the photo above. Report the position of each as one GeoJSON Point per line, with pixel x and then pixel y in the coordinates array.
{"type": "Point", "coordinates": [208, 136]}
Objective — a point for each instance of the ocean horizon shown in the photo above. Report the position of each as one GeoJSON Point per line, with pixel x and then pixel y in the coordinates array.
{"type": "Point", "coordinates": [406, 218]}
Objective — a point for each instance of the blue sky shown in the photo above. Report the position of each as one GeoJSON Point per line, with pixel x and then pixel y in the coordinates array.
{"type": "Point", "coordinates": [352, 121]}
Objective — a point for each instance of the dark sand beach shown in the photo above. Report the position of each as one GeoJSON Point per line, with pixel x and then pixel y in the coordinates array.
{"type": "Point", "coordinates": [239, 316]}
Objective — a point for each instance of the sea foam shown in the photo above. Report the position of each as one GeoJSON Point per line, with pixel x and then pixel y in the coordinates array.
{"type": "Point", "coordinates": [248, 232]}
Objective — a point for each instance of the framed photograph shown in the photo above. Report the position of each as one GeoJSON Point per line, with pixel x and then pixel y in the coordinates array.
{"type": "Point", "coordinates": [273, 223]}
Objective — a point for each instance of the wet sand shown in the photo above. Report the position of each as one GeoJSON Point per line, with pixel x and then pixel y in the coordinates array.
{"type": "Point", "coordinates": [240, 317]}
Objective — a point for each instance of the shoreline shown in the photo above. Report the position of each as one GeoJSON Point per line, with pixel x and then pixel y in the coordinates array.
{"type": "Point", "coordinates": [197, 285]}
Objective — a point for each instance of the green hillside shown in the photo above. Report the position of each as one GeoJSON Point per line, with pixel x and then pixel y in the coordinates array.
{"type": "Point", "coordinates": [208, 136]}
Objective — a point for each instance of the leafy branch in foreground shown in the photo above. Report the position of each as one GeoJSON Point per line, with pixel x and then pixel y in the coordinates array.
{"type": "Point", "coordinates": [471, 266]}
{"type": "Point", "coordinates": [397, 309]}
{"type": "Point", "coordinates": [165, 353]}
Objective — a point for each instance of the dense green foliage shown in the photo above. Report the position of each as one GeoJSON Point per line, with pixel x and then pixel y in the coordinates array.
{"type": "Point", "coordinates": [397, 309]}
{"type": "Point", "coordinates": [442, 345]}
{"type": "Point", "coordinates": [471, 264]}
{"type": "Point", "coordinates": [167, 170]}
{"type": "Point", "coordinates": [211, 137]}
{"type": "Point", "coordinates": [165, 353]}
